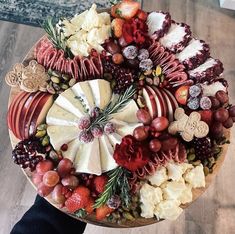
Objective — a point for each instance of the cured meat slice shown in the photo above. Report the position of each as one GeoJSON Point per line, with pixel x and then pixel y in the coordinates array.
{"type": "Point", "coordinates": [194, 54]}
{"type": "Point", "coordinates": [207, 71]}
{"type": "Point", "coordinates": [158, 24]}
{"type": "Point", "coordinates": [177, 37]}
{"type": "Point", "coordinates": [172, 69]}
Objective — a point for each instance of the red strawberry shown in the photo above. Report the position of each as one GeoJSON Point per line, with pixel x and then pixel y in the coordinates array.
{"type": "Point", "coordinates": [125, 9]}
{"type": "Point", "coordinates": [103, 211]}
{"type": "Point", "coordinates": [127, 32]}
{"type": "Point", "coordinates": [206, 116]}
{"type": "Point", "coordinates": [117, 27]}
{"type": "Point", "coordinates": [89, 207]}
{"type": "Point", "coordinates": [78, 200]}
{"type": "Point", "coordinates": [99, 183]}
{"type": "Point", "coordinates": [142, 15]}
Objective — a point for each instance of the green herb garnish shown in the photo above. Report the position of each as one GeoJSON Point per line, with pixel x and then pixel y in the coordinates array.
{"type": "Point", "coordinates": [117, 184]}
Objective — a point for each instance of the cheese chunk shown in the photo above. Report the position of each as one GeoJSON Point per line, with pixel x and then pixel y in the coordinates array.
{"type": "Point", "coordinates": [196, 177]}
{"type": "Point", "coordinates": [69, 102]}
{"type": "Point", "coordinates": [101, 91]}
{"type": "Point", "coordinates": [128, 113]}
{"type": "Point", "coordinates": [61, 135]}
{"type": "Point", "coordinates": [106, 154]}
{"type": "Point", "coordinates": [187, 195]}
{"type": "Point", "coordinates": [175, 171]}
{"type": "Point", "coordinates": [159, 177]}
{"type": "Point", "coordinates": [88, 158]}
{"type": "Point", "coordinates": [149, 197]}
{"type": "Point", "coordinates": [59, 116]}
{"type": "Point", "coordinates": [168, 209]}
{"type": "Point", "coordinates": [173, 190]}
{"type": "Point", "coordinates": [73, 147]}
{"type": "Point", "coordinates": [83, 90]}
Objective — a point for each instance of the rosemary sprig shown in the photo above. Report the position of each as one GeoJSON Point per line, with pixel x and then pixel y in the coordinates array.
{"type": "Point", "coordinates": [117, 182]}
{"type": "Point", "coordinates": [56, 37]}
{"type": "Point", "coordinates": [114, 107]}
{"type": "Point", "coordinates": [86, 109]}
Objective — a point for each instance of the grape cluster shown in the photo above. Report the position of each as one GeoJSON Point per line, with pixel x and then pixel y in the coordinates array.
{"type": "Point", "coordinates": [28, 153]}
{"type": "Point", "coordinates": [203, 148]}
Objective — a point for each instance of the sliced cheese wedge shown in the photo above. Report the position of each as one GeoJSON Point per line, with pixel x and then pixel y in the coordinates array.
{"type": "Point", "coordinates": [128, 113]}
{"type": "Point", "coordinates": [106, 154]}
{"type": "Point", "coordinates": [61, 135]}
{"type": "Point", "coordinates": [83, 90]}
{"type": "Point", "coordinates": [59, 116]}
{"type": "Point", "coordinates": [69, 102]}
{"type": "Point", "coordinates": [124, 128]}
{"type": "Point", "coordinates": [114, 139]}
{"type": "Point", "coordinates": [73, 147]}
{"type": "Point", "coordinates": [88, 158]}
{"type": "Point", "coordinates": [101, 91]}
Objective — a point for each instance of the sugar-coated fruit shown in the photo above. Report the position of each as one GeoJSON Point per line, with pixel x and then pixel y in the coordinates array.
{"type": "Point", "coordinates": [140, 133]}
{"type": "Point", "coordinates": [44, 166]}
{"type": "Point", "coordinates": [143, 116]}
{"type": "Point", "coordinates": [216, 130]}
{"type": "Point", "coordinates": [64, 167]}
{"type": "Point", "coordinates": [70, 181]}
{"type": "Point", "coordinates": [221, 115]}
{"type": "Point", "coordinates": [57, 194]}
{"type": "Point", "coordinates": [44, 190]}
{"type": "Point", "coordinates": [117, 58]}
{"type": "Point", "coordinates": [155, 145]}
{"type": "Point", "coordinates": [112, 47]}
{"type": "Point", "coordinates": [51, 178]}
{"type": "Point", "coordinates": [232, 111]}
{"type": "Point", "coordinates": [169, 143]}
{"type": "Point", "coordinates": [160, 124]}
{"type": "Point", "coordinates": [195, 90]}
{"type": "Point", "coordinates": [222, 96]}
{"type": "Point", "coordinates": [181, 94]}
{"type": "Point", "coordinates": [130, 52]}
{"type": "Point", "coordinates": [228, 123]}
{"type": "Point", "coordinates": [205, 103]}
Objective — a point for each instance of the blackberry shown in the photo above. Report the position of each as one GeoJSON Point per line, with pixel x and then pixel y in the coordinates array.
{"type": "Point", "coordinates": [28, 153]}
{"type": "Point", "coordinates": [122, 77]}
{"type": "Point", "coordinates": [203, 148]}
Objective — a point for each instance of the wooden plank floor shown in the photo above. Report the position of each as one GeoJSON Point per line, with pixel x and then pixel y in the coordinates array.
{"type": "Point", "coordinates": [214, 212]}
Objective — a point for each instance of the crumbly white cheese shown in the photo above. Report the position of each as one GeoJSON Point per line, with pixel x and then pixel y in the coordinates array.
{"type": "Point", "coordinates": [196, 177]}
{"type": "Point", "coordinates": [187, 195]}
{"type": "Point", "coordinates": [158, 177]}
{"type": "Point", "coordinates": [173, 190]}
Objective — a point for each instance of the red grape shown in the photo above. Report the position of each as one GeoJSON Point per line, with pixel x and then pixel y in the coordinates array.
{"type": "Point", "coordinates": [216, 130]}
{"type": "Point", "coordinates": [155, 145]}
{"type": "Point", "coordinates": [118, 58]}
{"type": "Point", "coordinates": [64, 167]}
{"type": "Point", "coordinates": [221, 115]}
{"type": "Point", "coordinates": [214, 102]}
{"type": "Point", "coordinates": [169, 143]}
{"type": "Point", "coordinates": [57, 195]}
{"type": "Point", "coordinates": [113, 48]}
{"type": "Point", "coordinates": [70, 181]}
{"type": "Point", "coordinates": [232, 111]}
{"type": "Point", "coordinates": [222, 96]}
{"type": "Point", "coordinates": [44, 166]}
{"type": "Point", "coordinates": [143, 116]}
{"type": "Point", "coordinates": [140, 133]}
{"type": "Point", "coordinates": [44, 190]}
{"type": "Point", "coordinates": [228, 123]}
{"type": "Point", "coordinates": [160, 123]}
{"type": "Point", "coordinates": [51, 178]}
{"type": "Point", "coordinates": [36, 178]}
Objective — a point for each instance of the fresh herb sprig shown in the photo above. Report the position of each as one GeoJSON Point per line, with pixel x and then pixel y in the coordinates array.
{"type": "Point", "coordinates": [117, 183]}
{"type": "Point", "coordinates": [56, 37]}
{"type": "Point", "coordinates": [113, 107]}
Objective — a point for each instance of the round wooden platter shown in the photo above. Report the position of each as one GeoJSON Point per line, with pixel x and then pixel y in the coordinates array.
{"type": "Point", "coordinates": [140, 221]}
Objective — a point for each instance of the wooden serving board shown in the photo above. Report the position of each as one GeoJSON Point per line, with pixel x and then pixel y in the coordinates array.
{"type": "Point", "coordinates": [140, 221]}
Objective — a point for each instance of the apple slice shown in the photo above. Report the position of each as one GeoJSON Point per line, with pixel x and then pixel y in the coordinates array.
{"type": "Point", "coordinates": [162, 101]}
{"type": "Point", "coordinates": [170, 112]}
{"type": "Point", "coordinates": [40, 113]}
{"type": "Point", "coordinates": [150, 102]}
{"type": "Point", "coordinates": [30, 112]}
